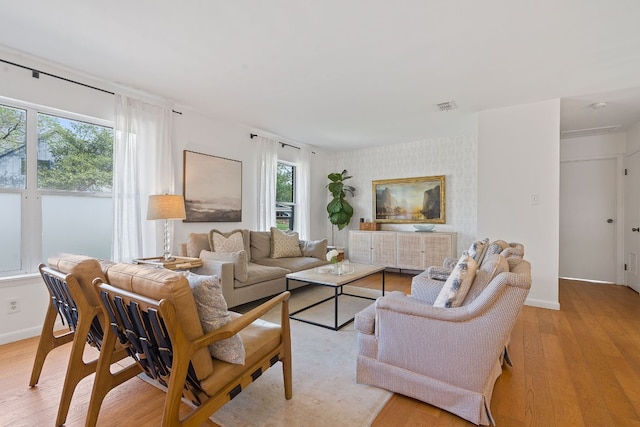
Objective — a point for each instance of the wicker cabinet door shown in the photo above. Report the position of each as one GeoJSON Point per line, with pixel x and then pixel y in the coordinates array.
{"type": "Point", "coordinates": [360, 247]}
{"type": "Point", "coordinates": [435, 248]}
{"type": "Point", "coordinates": [409, 251]}
{"type": "Point", "coordinates": [383, 248]}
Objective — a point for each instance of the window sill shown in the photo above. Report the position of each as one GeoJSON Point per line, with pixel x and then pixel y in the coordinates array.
{"type": "Point", "coordinates": [18, 280]}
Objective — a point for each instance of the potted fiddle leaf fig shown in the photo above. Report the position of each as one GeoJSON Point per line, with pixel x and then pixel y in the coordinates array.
{"type": "Point", "coordinates": [340, 211]}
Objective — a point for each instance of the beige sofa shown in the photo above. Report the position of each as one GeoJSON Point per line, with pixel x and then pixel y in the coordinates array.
{"type": "Point", "coordinates": [259, 272]}
{"type": "Point", "coordinates": [447, 357]}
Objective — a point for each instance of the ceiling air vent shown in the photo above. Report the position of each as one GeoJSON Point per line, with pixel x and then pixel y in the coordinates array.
{"type": "Point", "coordinates": [447, 106]}
{"type": "Point", "coordinates": [589, 132]}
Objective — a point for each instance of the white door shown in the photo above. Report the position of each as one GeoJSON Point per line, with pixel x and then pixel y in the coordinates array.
{"type": "Point", "coordinates": [587, 220]}
{"type": "Point", "coordinates": [632, 221]}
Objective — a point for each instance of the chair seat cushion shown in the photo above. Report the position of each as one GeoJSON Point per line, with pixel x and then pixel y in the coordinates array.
{"type": "Point", "coordinates": [259, 338]}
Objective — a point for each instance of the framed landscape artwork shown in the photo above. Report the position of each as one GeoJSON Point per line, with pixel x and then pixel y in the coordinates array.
{"type": "Point", "coordinates": [212, 188]}
{"type": "Point", "coordinates": [409, 200]}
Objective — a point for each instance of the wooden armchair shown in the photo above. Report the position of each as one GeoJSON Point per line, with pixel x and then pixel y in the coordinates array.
{"type": "Point", "coordinates": [153, 312]}
{"type": "Point", "coordinates": [78, 307]}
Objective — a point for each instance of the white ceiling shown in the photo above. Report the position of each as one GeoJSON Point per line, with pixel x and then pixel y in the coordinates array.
{"type": "Point", "coordinates": [347, 73]}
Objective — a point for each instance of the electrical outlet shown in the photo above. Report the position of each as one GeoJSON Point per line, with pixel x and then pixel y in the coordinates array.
{"type": "Point", "coordinates": [13, 305]}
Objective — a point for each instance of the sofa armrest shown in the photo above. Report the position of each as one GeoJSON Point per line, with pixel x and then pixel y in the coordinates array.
{"type": "Point", "coordinates": [222, 269]}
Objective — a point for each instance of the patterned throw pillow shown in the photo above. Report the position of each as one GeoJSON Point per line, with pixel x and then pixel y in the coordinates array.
{"type": "Point", "coordinates": [212, 309]}
{"type": "Point", "coordinates": [284, 245]}
{"type": "Point", "coordinates": [226, 242]}
{"type": "Point", "coordinates": [477, 249]}
{"type": "Point", "coordinates": [457, 285]}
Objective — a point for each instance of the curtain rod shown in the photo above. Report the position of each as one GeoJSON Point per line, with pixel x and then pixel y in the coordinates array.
{"type": "Point", "coordinates": [36, 75]}
{"type": "Point", "coordinates": [282, 144]}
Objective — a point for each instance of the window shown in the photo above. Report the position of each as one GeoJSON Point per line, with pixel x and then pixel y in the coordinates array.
{"type": "Point", "coordinates": [285, 187]}
{"type": "Point", "coordinates": [55, 186]}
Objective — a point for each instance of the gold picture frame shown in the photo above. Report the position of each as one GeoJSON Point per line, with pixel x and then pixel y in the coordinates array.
{"type": "Point", "coordinates": [410, 200]}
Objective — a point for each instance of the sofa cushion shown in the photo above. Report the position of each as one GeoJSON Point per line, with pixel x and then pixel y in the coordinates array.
{"type": "Point", "coordinates": [158, 284]}
{"type": "Point", "coordinates": [257, 273]}
{"type": "Point", "coordinates": [233, 241]}
{"type": "Point", "coordinates": [457, 285]}
{"type": "Point", "coordinates": [84, 269]}
{"type": "Point", "coordinates": [293, 264]}
{"type": "Point", "coordinates": [490, 268]}
{"type": "Point", "coordinates": [284, 245]}
{"type": "Point", "coordinates": [314, 248]}
{"type": "Point", "coordinates": [260, 244]}
{"type": "Point", "coordinates": [196, 243]}
{"type": "Point", "coordinates": [239, 260]}
{"type": "Point", "coordinates": [212, 309]}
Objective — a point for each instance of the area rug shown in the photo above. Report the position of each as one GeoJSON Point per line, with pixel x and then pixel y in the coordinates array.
{"type": "Point", "coordinates": [325, 392]}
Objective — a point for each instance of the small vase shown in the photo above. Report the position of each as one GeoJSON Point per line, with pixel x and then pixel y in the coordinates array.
{"type": "Point", "coordinates": [336, 268]}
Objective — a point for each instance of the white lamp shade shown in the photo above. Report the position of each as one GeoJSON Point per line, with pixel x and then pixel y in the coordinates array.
{"type": "Point", "coordinates": [166, 206]}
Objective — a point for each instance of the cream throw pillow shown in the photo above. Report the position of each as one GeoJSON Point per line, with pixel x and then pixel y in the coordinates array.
{"type": "Point", "coordinates": [239, 259]}
{"type": "Point", "coordinates": [314, 248]}
{"type": "Point", "coordinates": [226, 242]}
{"type": "Point", "coordinates": [284, 245]}
{"type": "Point", "coordinates": [212, 309]}
{"type": "Point", "coordinates": [458, 283]}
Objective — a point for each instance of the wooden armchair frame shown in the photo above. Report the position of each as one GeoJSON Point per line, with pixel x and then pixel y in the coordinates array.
{"type": "Point", "coordinates": [84, 322]}
{"type": "Point", "coordinates": [156, 340]}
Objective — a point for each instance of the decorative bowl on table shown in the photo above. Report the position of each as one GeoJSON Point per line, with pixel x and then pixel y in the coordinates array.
{"type": "Point", "coordinates": [424, 227]}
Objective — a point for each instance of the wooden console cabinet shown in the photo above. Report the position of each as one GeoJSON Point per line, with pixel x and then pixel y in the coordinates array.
{"type": "Point", "coordinates": [401, 249]}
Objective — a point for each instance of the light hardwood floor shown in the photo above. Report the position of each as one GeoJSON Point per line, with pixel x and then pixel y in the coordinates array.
{"type": "Point", "coordinates": [579, 366]}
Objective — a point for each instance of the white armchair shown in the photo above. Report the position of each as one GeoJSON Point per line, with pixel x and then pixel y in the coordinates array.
{"type": "Point", "coordinates": [447, 357]}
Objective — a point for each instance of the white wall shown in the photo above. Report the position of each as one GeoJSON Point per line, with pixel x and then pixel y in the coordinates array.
{"type": "Point", "coordinates": [518, 156]}
{"type": "Point", "coordinates": [633, 138]}
{"type": "Point", "coordinates": [453, 156]}
{"type": "Point", "coordinates": [590, 147]}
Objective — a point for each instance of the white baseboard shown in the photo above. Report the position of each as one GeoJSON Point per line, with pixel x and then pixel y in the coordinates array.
{"type": "Point", "coordinates": [552, 305]}
{"type": "Point", "coordinates": [25, 333]}
{"type": "Point", "coordinates": [20, 335]}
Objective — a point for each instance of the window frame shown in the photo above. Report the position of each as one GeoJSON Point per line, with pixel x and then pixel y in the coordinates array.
{"type": "Point", "coordinates": [292, 204]}
{"type": "Point", "coordinates": [31, 197]}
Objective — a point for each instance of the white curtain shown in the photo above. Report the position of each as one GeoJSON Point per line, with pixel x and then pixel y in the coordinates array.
{"type": "Point", "coordinates": [267, 169]}
{"type": "Point", "coordinates": [302, 223]}
{"type": "Point", "coordinates": [142, 165]}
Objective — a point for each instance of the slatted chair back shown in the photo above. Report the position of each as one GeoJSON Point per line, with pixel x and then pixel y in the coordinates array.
{"type": "Point", "coordinates": [139, 325]}
{"type": "Point", "coordinates": [64, 290]}
{"type": "Point", "coordinates": [69, 300]}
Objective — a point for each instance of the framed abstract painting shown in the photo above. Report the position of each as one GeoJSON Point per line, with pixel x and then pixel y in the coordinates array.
{"type": "Point", "coordinates": [212, 188]}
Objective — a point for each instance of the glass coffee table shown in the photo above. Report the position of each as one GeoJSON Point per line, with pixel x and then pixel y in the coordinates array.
{"type": "Point", "coordinates": [324, 276]}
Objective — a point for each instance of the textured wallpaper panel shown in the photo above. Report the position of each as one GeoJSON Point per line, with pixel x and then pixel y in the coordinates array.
{"type": "Point", "coordinates": [454, 157]}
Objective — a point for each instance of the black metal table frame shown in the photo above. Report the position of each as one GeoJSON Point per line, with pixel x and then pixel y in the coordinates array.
{"type": "Point", "coordinates": [338, 291]}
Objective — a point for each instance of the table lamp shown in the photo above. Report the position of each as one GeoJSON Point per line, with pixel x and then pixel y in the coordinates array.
{"type": "Point", "coordinates": [166, 206]}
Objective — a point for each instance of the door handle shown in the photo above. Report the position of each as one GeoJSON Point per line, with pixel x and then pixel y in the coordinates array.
{"type": "Point", "coordinates": [609, 221]}
{"type": "Point", "coordinates": [636, 229]}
